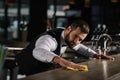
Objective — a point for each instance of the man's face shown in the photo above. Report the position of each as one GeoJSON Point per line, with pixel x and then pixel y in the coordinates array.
{"type": "Point", "coordinates": [74, 37]}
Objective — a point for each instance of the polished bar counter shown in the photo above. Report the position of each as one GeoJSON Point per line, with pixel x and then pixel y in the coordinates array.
{"type": "Point", "coordinates": [98, 70]}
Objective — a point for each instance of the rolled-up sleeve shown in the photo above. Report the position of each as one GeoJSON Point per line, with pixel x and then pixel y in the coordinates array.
{"type": "Point", "coordinates": [44, 48]}
{"type": "Point", "coordinates": [84, 50]}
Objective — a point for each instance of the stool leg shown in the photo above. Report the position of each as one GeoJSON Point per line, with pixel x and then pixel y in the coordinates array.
{"type": "Point", "coordinates": [14, 73]}
{"type": "Point", "coordinates": [3, 74]}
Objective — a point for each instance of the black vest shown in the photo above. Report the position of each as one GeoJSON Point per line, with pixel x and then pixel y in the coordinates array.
{"type": "Point", "coordinates": [28, 64]}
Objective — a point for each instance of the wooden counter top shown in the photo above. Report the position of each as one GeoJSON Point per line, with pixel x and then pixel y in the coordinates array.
{"type": "Point", "coordinates": [98, 70]}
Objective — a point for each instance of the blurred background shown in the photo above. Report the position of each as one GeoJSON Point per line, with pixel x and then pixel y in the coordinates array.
{"type": "Point", "coordinates": [23, 20]}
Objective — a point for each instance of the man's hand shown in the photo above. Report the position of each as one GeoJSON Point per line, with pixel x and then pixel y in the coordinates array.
{"type": "Point", "coordinates": [102, 56]}
{"type": "Point", "coordinates": [65, 63]}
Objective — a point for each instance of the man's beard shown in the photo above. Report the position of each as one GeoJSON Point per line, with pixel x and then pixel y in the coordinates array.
{"type": "Point", "coordinates": [67, 40]}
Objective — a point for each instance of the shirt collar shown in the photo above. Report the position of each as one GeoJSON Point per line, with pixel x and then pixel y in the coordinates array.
{"type": "Point", "coordinates": [62, 38]}
{"type": "Point", "coordinates": [62, 35]}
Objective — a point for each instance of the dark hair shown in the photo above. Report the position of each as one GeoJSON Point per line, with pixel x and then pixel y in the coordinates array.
{"type": "Point", "coordinates": [82, 25]}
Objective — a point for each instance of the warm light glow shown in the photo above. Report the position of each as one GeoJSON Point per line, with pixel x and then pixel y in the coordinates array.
{"type": "Point", "coordinates": [87, 3]}
{"type": "Point", "coordinates": [10, 2]}
{"type": "Point", "coordinates": [114, 1]}
{"type": "Point", "coordinates": [71, 2]}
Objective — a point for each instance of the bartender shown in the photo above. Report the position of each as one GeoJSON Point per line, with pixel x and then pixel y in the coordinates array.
{"type": "Point", "coordinates": [44, 52]}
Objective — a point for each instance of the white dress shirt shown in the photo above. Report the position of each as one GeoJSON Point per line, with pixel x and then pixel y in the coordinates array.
{"type": "Point", "coordinates": [46, 44]}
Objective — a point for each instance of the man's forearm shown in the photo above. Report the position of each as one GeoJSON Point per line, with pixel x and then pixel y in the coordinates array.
{"type": "Point", "coordinates": [61, 61]}
{"type": "Point", "coordinates": [84, 50]}
{"type": "Point", "coordinates": [102, 56]}
{"type": "Point", "coordinates": [56, 59]}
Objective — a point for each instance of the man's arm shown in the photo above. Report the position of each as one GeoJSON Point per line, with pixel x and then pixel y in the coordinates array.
{"type": "Point", "coordinates": [82, 49]}
{"type": "Point", "coordinates": [102, 56]}
{"type": "Point", "coordinates": [44, 48]}
{"type": "Point", "coordinates": [65, 63]}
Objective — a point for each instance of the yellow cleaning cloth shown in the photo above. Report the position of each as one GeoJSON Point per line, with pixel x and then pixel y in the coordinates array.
{"type": "Point", "coordinates": [85, 66]}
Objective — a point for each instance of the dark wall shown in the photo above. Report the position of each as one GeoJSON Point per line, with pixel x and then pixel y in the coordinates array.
{"type": "Point", "coordinates": [106, 12]}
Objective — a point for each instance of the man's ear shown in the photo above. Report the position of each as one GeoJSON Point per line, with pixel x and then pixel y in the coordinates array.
{"type": "Point", "coordinates": [69, 28]}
